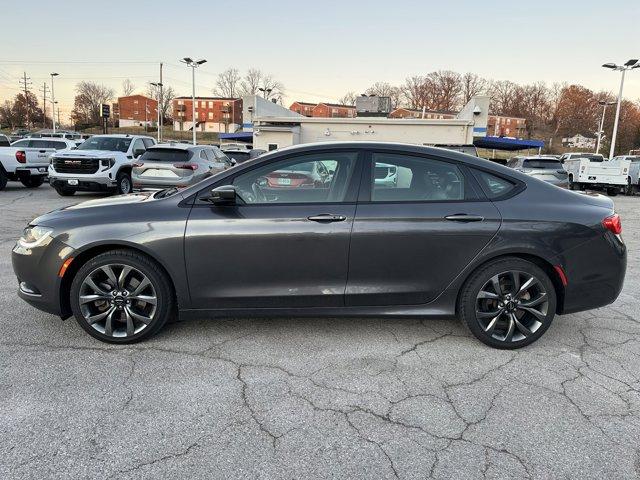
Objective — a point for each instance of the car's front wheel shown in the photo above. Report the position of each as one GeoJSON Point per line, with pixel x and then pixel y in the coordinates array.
{"type": "Point", "coordinates": [121, 297]}
{"type": "Point", "coordinates": [508, 303]}
{"type": "Point", "coordinates": [123, 183]}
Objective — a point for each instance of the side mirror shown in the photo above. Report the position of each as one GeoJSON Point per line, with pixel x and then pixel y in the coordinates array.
{"type": "Point", "coordinates": [137, 152]}
{"type": "Point", "coordinates": [223, 195]}
{"type": "Point", "coordinates": [233, 162]}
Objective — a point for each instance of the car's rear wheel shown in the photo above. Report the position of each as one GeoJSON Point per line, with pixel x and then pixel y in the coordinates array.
{"type": "Point", "coordinates": [3, 179]}
{"type": "Point", "coordinates": [32, 182]}
{"type": "Point", "coordinates": [121, 297]}
{"type": "Point", "coordinates": [123, 183]}
{"type": "Point", "coordinates": [65, 191]}
{"type": "Point", "coordinates": [508, 303]}
{"type": "Point", "coordinates": [630, 188]}
{"type": "Point", "coordinates": [573, 185]}
{"type": "Point", "coordinates": [613, 191]}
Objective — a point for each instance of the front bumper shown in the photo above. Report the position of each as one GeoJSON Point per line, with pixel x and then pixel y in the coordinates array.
{"type": "Point", "coordinates": [37, 272]}
{"type": "Point", "coordinates": [98, 184]}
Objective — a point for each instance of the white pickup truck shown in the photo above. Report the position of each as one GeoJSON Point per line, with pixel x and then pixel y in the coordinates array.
{"type": "Point", "coordinates": [590, 170]}
{"type": "Point", "coordinates": [26, 160]}
{"type": "Point", "coordinates": [633, 176]}
{"type": "Point", "coordinates": [101, 163]}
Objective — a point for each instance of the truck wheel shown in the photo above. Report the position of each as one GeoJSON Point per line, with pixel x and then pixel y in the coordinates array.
{"type": "Point", "coordinates": [630, 188]}
{"type": "Point", "coordinates": [32, 182]}
{"type": "Point", "coordinates": [3, 179]}
{"type": "Point", "coordinates": [123, 183]}
{"type": "Point", "coordinates": [612, 191]}
{"type": "Point", "coordinates": [572, 185]}
{"type": "Point", "coordinates": [64, 191]}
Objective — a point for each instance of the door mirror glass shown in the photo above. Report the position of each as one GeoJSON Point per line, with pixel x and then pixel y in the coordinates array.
{"type": "Point", "coordinates": [223, 195]}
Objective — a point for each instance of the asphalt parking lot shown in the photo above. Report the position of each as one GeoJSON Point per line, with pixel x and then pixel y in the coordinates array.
{"type": "Point", "coordinates": [316, 398]}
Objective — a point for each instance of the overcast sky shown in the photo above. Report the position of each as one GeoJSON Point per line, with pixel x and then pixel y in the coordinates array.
{"type": "Point", "coordinates": [319, 49]}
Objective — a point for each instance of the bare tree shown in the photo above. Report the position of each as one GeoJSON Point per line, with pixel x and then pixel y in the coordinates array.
{"type": "Point", "coordinates": [472, 85]}
{"type": "Point", "coordinates": [447, 90]}
{"type": "Point", "coordinates": [348, 98]}
{"type": "Point", "coordinates": [251, 82]}
{"type": "Point", "coordinates": [384, 89]}
{"type": "Point", "coordinates": [415, 92]}
{"type": "Point", "coordinates": [127, 88]}
{"type": "Point", "coordinates": [89, 97]}
{"type": "Point", "coordinates": [255, 80]}
{"type": "Point", "coordinates": [227, 84]}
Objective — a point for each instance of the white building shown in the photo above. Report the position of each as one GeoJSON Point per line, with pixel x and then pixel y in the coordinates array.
{"type": "Point", "coordinates": [272, 129]}
{"type": "Point", "coordinates": [579, 141]}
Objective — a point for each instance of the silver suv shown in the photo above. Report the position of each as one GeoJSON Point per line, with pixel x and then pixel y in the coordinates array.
{"type": "Point", "coordinates": [546, 168]}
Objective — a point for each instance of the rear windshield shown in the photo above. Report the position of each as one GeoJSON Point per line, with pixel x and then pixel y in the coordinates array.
{"type": "Point", "coordinates": [112, 144]}
{"type": "Point", "coordinates": [550, 164]}
{"type": "Point", "coordinates": [238, 156]}
{"type": "Point", "coordinates": [165, 155]}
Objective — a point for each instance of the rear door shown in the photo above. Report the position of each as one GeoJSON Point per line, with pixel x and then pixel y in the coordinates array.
{"type": "Point", "coordinates": [419, 222]}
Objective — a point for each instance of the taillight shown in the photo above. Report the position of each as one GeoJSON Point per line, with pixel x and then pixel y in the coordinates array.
{"type": "Point", "coordinates": [21, 157]}
{"type": "Point", "coordinates": [186, 166]}
{"type": "Point", "coordinates": [613, 224]}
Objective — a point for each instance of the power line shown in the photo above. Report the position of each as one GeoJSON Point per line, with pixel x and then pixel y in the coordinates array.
{"type": "Point", "coordinates": [73, 62]}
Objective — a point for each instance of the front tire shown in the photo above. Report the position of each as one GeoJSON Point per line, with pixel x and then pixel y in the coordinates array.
{"type": "Point", "coordinates": [65, 191]}
{"type": "Point", "coordinates": [508, 303]}
{"type": "Point", "coordinates": [32, 182]}
{"type": "Point", "coordinates": [124, 184]}
{"type": "Point", "coordinates": [121, 297]}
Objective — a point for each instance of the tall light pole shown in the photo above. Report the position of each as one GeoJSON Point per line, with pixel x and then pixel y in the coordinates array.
{"type": "Point", "coordinates": [158, 85]}
{"type": "Point", "coordinates": [193, 64]}
{"type": "Point", "coordinates": [265, 91]}
{"type": "Point", "coordinates": [604, 104]}
{"type": "Point", "coordinates": [53, 103]}
{"type": "Point", "coordinates": [630, 65]}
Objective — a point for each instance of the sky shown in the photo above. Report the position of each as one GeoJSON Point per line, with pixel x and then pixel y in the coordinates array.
{"type": "Point", "coordinates": [319, 49]}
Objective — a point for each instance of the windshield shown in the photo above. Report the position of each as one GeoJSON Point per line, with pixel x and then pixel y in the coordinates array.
{"type": "Point", "coordinates": [549, 164]}
{"type": "Point", "coordinates": [112, 144]}
{"type": "Point", "coordinates": [593, 157]}
{"type": "Point", "coordinates": [165, 155]}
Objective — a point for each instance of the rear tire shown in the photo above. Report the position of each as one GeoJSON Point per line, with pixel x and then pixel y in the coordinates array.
{"type": "Point", "coordinates": [124, 184]}
{"type": "Point", "coordinates": [511, 316]}
{"type": "Point", "coordinates": [613, 191]}
{"type": "Point", "coordinates": [32, 182]}
{"type": "Point", "coordinates": [65, 191]}
{"type": "Point", "coordinates": [133, 306]}
{"type": "Point", "coordinates": [572, 185]}
{"type": "Point", "coordinates": [3, 179]}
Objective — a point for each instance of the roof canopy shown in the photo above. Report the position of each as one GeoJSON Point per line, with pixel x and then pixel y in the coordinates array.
{"type": "Point", "coordinates": [504, 143]}
{"type": "Point", "coordinates": [243, 136]}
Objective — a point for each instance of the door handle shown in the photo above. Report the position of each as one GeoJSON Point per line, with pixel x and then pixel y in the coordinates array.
{"type": "Point", "coordinates": [463, 217]}
{"type": "Point", "coordinates": [327, 217]}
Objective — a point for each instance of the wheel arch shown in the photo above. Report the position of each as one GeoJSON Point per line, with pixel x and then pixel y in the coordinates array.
{"type": "Point", "coordinates": [546, 266]}
{"type": "Point", "coordinates": [83, 256]}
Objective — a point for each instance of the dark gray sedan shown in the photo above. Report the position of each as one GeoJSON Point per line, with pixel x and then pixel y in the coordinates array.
{"type": "Point", "coordinates": [454, 236]}
{"type": "Point", "coordinates": [177, 165]}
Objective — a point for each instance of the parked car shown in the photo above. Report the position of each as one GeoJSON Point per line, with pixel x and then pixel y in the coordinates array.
{"type": "Point", "coordinates": [177, 164]}
{"type": "Point", "coordinates": [546, 168]}
{"type": "Point", "coordinates": [596, 172]}
{"type": "Point", "coordinates": [26, 160]}
{"type": "Point", "coordinates": [5, 141]}
{"type": "Point", "coordinates": [21, 132]}
{"type": "Point", "coordinates": [502, 251]}
{"type": "Point", "coordinates": [633, 176]}
{"type": "Point", "coordinates": [300, 175]}
{"type": "Point", "coordinates": [100, 163]}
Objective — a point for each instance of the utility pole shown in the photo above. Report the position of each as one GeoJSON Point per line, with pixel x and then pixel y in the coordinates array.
{"type": "Point", "coordinates": [44, 90]}
{"type": "Point", "coordinates": [53, 104]}
{"type": "Point", "coordinates": [160, 111]}
{"type": "Point", "coordinates": [25, 82]}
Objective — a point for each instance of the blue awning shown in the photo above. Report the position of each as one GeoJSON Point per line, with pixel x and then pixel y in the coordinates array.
{"type": "Point", "coordinates": [503, 143]}
{"type": "Point", "coordinates": [242, 136]}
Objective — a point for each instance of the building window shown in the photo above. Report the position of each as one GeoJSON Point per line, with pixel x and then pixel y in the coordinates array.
{"type": "Point", "coordinates": [210, 115]}
{"type": "Point", "coordinates": [272, 146]}
{"type": "Point", "coordinates": [210, 104]}
{"type": "Point", "coordinates": [180, 102]}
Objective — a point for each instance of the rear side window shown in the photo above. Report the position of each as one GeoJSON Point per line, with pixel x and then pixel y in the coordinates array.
{"type": "Point", "coordinates": [493, 186]}
{"type": "Point", "coordinates": [405, 178]}
{"type": "Point", "coordinates": [39, 144]}
{"type": "Point", "coordinates": [56, 145]}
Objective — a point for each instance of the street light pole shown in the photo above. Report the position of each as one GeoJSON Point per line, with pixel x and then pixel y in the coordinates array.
{"type": "Point", "coordinates": [193, 64]}
{"type": "Point", "coordinates": [53, 103]}
{"type": "Point", "coordinates": [601, 130]}
{"type": "Point", "coordinates": [159, 87]}
{"type": "Point", "coordinates": [630, 65]}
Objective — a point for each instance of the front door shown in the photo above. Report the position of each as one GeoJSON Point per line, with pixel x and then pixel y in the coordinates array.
{"type": "Point", "coordinates": [286, 244]}
{"type": "Point", "coordinates": [420, 222]}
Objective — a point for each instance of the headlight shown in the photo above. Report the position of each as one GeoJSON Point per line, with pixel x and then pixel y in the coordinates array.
{"type": "Point", "coordinates": [108, 162]}
{"type": "Point", "coordinates": [32, 236]}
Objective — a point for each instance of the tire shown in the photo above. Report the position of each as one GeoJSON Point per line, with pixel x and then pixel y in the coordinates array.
{"type": "Point", "coordinates": [572, 185]}
{"type": "Point", "coordinates": [32, 182]}
{"type": "Point", "coordinates": [124, 184]}
{"type": "Point", "coordinates": [613, 191]}
{"type": "Point", "coordinates": [476, 309]}
{"type": "Point", "coordinates": [65, 191]}
{"type": "Point", "coordinates": [114, 326]}
{"type": "Point", "coordinates": [3, 179]}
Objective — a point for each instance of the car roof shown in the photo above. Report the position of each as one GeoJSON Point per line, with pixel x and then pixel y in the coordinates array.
{"type": "Point", "coordinates": [178, 146]}
{"type": "Point", "coordinates": [120, 135]}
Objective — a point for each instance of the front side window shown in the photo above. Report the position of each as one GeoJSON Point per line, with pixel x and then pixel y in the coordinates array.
{"type": "Point", "coordinates": [303, 179]}
{"type": "Point", "coordinates": [405, 178]}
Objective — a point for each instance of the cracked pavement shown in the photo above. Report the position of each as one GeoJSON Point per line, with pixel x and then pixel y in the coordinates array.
{"type": "Point", "coordinates": [316, 398]}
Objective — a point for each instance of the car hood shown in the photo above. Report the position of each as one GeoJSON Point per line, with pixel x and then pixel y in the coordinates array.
{"type": "Point", "coordinates": [87, 154]}
{"type": "Point", "coordinates": [89, 207]}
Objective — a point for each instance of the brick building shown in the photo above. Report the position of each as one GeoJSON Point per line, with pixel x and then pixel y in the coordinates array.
{"type": "Point", "coordinates": [136, 111]}
{"type": "Point", "coordinates": [502, 126]}
{"type": "Point", "coordinates": [323, 110]}
{"type": "Point", "coordinates": [213, 114]}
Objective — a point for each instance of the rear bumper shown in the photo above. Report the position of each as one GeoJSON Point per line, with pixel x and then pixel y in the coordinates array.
{"type": "Point", "coordinates": [595, 273]}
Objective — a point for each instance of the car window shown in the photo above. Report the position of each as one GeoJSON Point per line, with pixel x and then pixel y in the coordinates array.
{"type": "Point", "coordinates": [21, 143]}
{"type": "Point", "coordinates": [408, 178]}
{"type": "Point", "coordinates": [297, 180]}
{"type": "Point", "coordinates": [203, 155]}
{"type": "Point", "coordinates": [546, 163]}
{"type": "Point", "coordinates": [165, 155]}
{"type": "Point", "coordinates": [494, 186]}
{"type": "Point", "coordinates": [56, 145]}
{"type": "Point", "coordinates": [148, 142]}
{"type": "Point", "coordinates": [39, 144]}
{"type": "Point", "coordinates": [138, 144]}
{"type": "Point", "coordinates": [113, 144]}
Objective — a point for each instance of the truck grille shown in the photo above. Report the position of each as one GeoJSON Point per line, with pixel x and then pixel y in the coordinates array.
{"type": "Point", "coordinates": [76, 165]}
